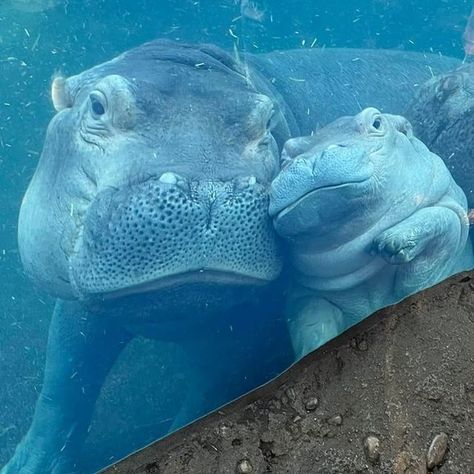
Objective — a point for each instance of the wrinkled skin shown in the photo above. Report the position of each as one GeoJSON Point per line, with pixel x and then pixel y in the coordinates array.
{"type": "Point", "coordinates": [370, 216]}
{"type": "Point", "coordinates": [148, 215]}
{"type": "Point", "coordinates": [442, 114]}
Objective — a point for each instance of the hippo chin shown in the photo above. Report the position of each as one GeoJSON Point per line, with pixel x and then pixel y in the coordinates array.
{"type": "Point", "coordinates": [371, 216]}
{"type": "Point", "coordinates": [441, 113]}
{"type": "Point", "coordinates": [148, 214]}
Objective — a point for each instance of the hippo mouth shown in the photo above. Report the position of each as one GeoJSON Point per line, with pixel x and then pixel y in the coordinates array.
{"type": "Point", "coordinates": [171, 231]}
{"type": "Point", "coordinates": [286, 208]}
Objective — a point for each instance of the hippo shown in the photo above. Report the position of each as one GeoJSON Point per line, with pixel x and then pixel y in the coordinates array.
{"type": "Point", "coordinates": [370, 216]}
{"type": "Point", "coordinates": [441, 113]}
{"type": "Point", "coordinates": [148, 215]}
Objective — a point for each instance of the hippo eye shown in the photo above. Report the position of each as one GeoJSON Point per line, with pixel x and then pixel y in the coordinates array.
{"type": "Point", "coordinates": [97, 104]}
{"type": "Point", "coordinates": [377, 123]}
{"type": "Point", "coordinates": [272, 120]}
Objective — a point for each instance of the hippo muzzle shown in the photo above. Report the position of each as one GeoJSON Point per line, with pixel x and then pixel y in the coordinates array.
{"type": "Point", "coordinates": [168, 229]}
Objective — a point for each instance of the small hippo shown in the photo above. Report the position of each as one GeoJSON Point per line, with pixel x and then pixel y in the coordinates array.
{"type": "Point", "coordinates": [442, 117]}
{"type": "Point", "coordinates": [370, 216]}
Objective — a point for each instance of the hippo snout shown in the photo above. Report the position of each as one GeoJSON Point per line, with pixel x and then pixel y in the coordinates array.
{"type": "Point", "coordinates": [170, 225]}
{"type": "Point", "coordinates": [319, 168]}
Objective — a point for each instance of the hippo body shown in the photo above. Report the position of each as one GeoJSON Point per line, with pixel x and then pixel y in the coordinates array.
{"type": "Point", "coordinates": [441, 113]}
{"type": "Point", "coordinates": [147, 215]}
{"type": "Point", "coordinates": [370, 216]}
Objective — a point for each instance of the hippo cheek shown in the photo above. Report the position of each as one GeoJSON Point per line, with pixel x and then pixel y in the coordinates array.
{"type": "Point", "coordinates": [156, 234]}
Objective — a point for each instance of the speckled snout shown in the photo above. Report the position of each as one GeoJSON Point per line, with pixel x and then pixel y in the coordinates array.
{"type": "Point", "coordinates": [169, 226]}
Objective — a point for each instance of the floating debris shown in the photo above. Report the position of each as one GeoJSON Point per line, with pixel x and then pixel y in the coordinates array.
{"type": "Point", "coordinates": [251, 11]}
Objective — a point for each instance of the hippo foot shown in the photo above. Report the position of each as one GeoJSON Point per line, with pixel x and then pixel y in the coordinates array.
{"type": "Point", "coordinates": [395, 248]}
{"type": "Point", "coordinates": [29, 459]}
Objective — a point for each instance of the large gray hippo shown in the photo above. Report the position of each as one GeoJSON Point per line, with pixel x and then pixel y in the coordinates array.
{"type": "Point", "coordinates": [147, 215]}
{"type": "Point", "coordinates": [442, 114]}
{"type": "Point", "coordinates": [370, 216]}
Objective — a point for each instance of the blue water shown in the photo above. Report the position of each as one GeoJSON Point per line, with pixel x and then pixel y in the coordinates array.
{"type": "Point", "coordinates": [70, 36]}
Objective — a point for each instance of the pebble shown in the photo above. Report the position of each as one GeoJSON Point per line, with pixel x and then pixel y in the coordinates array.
{"type": "Point", "coordinates": [291, 394]}
{"type": "Point", "coordinates": [372, 449]}
{"type": "Point", "coordinates": [311, 404]}
{"type": "Point", "coordinates": [335, 420]}
{"type": "Point", "coordinates": [362, 346]}
{"type": "Point", "coordinates": [437, 450]}
{"type": "Point", "coordinates": [244, 466]}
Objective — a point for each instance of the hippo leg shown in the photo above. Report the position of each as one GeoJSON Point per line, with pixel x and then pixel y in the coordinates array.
{"type": "Point", "coordinates": [82, 347]}
{"type": "Point", "coordinates": [426, 245]}
{"type": "Point", "coordinates": [312, 322]}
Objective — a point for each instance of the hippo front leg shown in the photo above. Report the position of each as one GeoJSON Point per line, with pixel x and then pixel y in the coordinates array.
{"type": "Point", "coordinates": [312, 321]}
{"type": "Point", "coordinates": [82, 347]}
{"type": "Point", "coordinates": [428, 246]}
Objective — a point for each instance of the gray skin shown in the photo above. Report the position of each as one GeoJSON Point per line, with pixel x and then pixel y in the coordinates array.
{"type": "Point", "coordinates": [370, 216]}
{"type": "Point", "coordinates": [442, 117]}
{"type": "Point", "coordinates": [148, 215]}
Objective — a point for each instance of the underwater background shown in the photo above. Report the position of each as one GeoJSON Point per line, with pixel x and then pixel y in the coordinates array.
{"type": "Point", "coordinates": [41, 37]}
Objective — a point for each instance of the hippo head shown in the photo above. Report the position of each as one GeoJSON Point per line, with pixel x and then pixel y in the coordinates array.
{"type": "Point", "coordinates": [442, 116]}
{"type": "Point", "coordinates": [349, 175]}
{"type": "Point", "coordinates": [154, 173]}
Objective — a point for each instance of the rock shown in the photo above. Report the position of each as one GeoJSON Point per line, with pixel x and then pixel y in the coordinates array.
{"type": "Point", "coordinates": [335, 420]}
{"type": "Point", "coordinates": [363, 345]}
{"type": "Point", "coordinates": [311, 404]}
{"type": "Point", "coordinates": [244, 466]}
{"type": "Point", "coordinates": [372, 449]}
{"type": "Point", "coordinates": [437, 450]}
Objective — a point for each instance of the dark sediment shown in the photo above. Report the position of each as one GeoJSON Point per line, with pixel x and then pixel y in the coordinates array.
{"type": "Point", "coordinates": [384, 397]}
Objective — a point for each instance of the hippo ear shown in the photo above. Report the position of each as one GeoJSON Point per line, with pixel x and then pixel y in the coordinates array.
{"type": "Point", "coordinates": [59, 94]}
{"type": "Point", "coordinates": [401, 124]}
